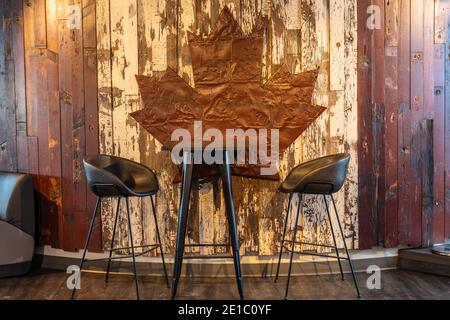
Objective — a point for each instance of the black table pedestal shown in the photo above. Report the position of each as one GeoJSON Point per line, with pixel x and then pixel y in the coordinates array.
{"type": "Point", "coordinates": [225, 173]}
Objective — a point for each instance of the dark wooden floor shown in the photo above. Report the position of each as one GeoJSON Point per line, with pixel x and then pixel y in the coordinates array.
{"type": "Point", "coordinates": [396, 284]}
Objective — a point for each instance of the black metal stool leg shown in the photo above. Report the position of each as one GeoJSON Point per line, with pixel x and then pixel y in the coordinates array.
{"type": "Point", "coordinates": [300, 202]}
{"type": "Point", "coordinates": [86, 245]}
{"type": "Point", "coordinates": [112, 240]}
{"type": "Point", "coordinates": [228, 194]}
{"type": "Point", "coordinates": [284, 236]}
{"type": "Point", "coordinates": [182, 219]}
{"type": "Point", "coordinates": [132, 248]}
{"type": "Point", "coordinates": [346, 249]}
{"type": "Point", "coordinates": [334, 237]}
{"type": "Point", "coordinates": [159, 242]}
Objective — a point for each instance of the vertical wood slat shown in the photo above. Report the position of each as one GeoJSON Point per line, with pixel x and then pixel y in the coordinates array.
{"type": "Point", "coordinates": [73, 137]}
{"type": "Point", "coordinates": [446, 15]}
{"type": "Point", "coordinates": [432, 184]}
{"type": "Point", "coordinates": [220, 233]}
{"type": "Point", "coordinates": [28, 162]}
{"type": "Point", "coordinates": [439, 120]}
{"type": "Point", "coordinates": [51, 184]}
{"type": "Point", "coordinates": [8, 139]}
{"type": "Point", "coordinates": [426, 128]}
{"type": "Point", "coordinates": [29, 50]}
{"type": "Point", "coordinates": [308, 148]}
{"type": "Point", "coordinates": [91, 118]}
{"type": "Point", "coordinates": [146, 12]}
{"type": "Point", "coordinates": [390, 218]}
{"type": "Point", "coordinates": [105, 120]}
{"type": "Point", "coordinates": [54, 146]}
{"type": "Point", "coordinates": [440, 21]}
{"type": "Point", "coordinates": [378, 107]}
{"type": "Point", "coordinates": [434, 100]}
{"type": "Point", "coordinates": [67, 49]}
{"type": "Point", "coordinates": [19, 66]}
{"type": "Point", "coordinates": [40, 23]}
{"type": "Point", "coordinates": [417, 112]}
{"type": "Point", "coordinates": [183, 12]}
{"type": "Point", "coordinates": [78, 108]}
{"type": "Point", "coordinates": [366, 184]}
{"type": "Point", "coordinates": [47, 184]}
{"type": "Point", "coordinates": [349, 212]}
{"type": "Point", "coordinates": [337, 48]}
{"type": "Point", "coordinates": [51, 26]}
{"type": "Point", "coordinates": [207, 234]}
{"type": "Point", "coordinates": [31, 143]}
{"type": "Point", "coordinates": [123, 70]}
{"type": "Point", "coordinates": [404, 130]}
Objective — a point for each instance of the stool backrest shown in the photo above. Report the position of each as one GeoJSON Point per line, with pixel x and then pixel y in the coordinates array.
{"type": "Point", "coordinates": [332, 171]}
{"type": "Point", "coordinates": [106, 176]}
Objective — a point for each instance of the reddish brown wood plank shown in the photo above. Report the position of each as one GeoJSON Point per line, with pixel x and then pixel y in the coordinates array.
{"type": "Point", "coordinates": [19, 64]}
{"type": "Point", "coordinates": [391, 125]}
{"type": "Point", "coordinates": [173, 40]}
{"type": "Point", "coordinates": [28, 162]}
{"type": "Point", "coordinates": [433, 144]}
{"type": "Point", "coordinates": [417, 114]}
{"type": "Point", "coordinates": [54, 144]}
{"type": "Point", "coordinates": [404, 131]}
{"type": "Point", "coordinates": [365, 142]}
{"type": "Point", "coordinates": [70, 62]}
{"type": "Point", "coordinates": [434, 106]}
{"type": "Point", "coordinates": [40, 22]}
{"type": "Point", "coordinates": [447, 119]}
{"type": "Point", "coordinates": [51, 24]}
{"type": "Point", "coordinates": [46, 100]}
{"type": "Point", "coordinates": [378, 98]}
{"type": "Point", "coordinates": [30, 50]}
{"type": "Point", "coordinates": [78, 126]}
{"type": "Point", "coordinates": [426, 128]}
{"type": "Point", "coordinates": [439, 144]}
{"type": "Point", "coordinates": [8, 143]}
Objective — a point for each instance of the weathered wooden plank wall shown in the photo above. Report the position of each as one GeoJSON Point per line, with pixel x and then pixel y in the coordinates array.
{"type": "Point", "coordinates": [146, 36]}
{"type": "Point", "coordinates": [409, 129]}
{"type": "Point", "coordinates": [49, 95]}
{"type": "Point", "coordinates": [67, 87]}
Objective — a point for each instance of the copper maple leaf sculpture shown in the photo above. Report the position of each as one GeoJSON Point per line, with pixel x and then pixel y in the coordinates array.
{"type": "Point", "coordinates": [228, 92]}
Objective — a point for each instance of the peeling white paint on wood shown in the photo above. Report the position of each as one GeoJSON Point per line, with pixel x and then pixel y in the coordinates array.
{"type": "Point", "coordinates": [260, 209]}
{"type": "Point", "coordinates": [337, 48]}
{"type": "Point", "coordinates": [105, 104]}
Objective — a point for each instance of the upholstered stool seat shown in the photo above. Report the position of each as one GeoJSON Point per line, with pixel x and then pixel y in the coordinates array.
{"type": "Point", "coordinates": [114, 177]}
{"type": "Point", "coordinates": [323, 176]}
{"type": "Point", "coordinates": [110, 176]}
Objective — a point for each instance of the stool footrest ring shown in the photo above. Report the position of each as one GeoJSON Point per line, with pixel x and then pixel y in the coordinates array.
{"type": "Point", "coordinates": [313, 254]}
{"type": "Point", "coordinates": [126, 256]}
{"type": "Point", "coordinates": [311, 244]}
{"type": "Point", "coordinates": [137, 247]}
{"type": "Point", "coordinates": [194, 257]}
{"type": "Point", "coordinates": [207, 245]}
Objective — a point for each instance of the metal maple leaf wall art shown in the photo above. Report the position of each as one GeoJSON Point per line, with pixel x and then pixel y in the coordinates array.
{"type": "Point", "coordinates": [229, 94]}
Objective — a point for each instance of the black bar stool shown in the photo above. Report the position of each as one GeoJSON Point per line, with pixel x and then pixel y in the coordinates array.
{"type": "Point", "coordinates": [225, 174]}
{"type": "Point", "coordinates": [113, 177]}
{"type": "Point", "coordinates": [324, 176]}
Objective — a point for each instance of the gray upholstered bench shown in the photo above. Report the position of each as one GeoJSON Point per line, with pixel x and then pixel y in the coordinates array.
{"type": "Point", "coordinates": [17, 224]}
